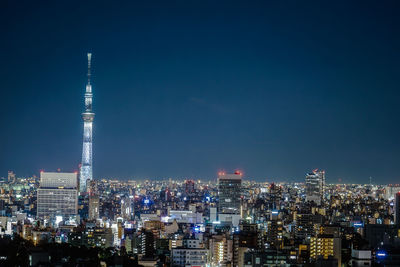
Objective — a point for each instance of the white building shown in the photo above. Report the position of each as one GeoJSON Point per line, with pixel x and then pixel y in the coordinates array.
{"type": "Point", "coordinates": [187, 257]}
{"type": "Point", "coordinates": [390, 191]}
{"type": "Point", "coordinates": [57, 194]}
{"type": "Point", "coordinates": [361, 257]}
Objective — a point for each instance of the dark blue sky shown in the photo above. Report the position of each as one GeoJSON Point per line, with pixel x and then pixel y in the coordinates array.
{"type": "Point", "coordinates": [186, 88]}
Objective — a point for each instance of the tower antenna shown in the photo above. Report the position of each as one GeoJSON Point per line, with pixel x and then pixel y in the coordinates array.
{"type": "Point", "coordinates": [89, 56]}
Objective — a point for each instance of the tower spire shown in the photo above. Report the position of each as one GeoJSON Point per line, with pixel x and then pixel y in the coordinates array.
{"type": "Point", "coordinates": [86, 171]}
{"type": "Point", "coordinates": [89, 56]}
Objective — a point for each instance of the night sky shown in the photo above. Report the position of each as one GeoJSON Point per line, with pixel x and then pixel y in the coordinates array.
{"type": "Point", "coordinates": [188, 88]}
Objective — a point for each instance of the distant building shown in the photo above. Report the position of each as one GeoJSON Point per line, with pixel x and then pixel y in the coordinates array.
{"type": "Point", "coordinates": [267, 257]}
{"type": "Point", "coordinates": [94, 207]}
{"type": "Point", "coordinates": [378, 234]}
{"type": "Point", "coordinates": [11, 177]}
{"type": "Point", "coordinates": [189, 187]}
{"type": "Point", "coordinates": [57, 194]}
{"type": "Point", "coordinates": [183, 257]}
{"type": "Point", "coordinates": [229, 193]}
{"type": "Point", "coordinates": [274, 233]}
{"type": "Point", "coordinates": [391, 190]}
{"type": "Point", "coordinates": [306, 225]}
{"type": "Point", "coordinates": [397, 209]}
{"type": "Point", "coordinates": [126, 208]}
{"type": "Point", "coordinates": [315, 186]}
{"type": "Point", "coordinates": [91, 237]}
{"type": "Point", "coordinates": [147, 244]}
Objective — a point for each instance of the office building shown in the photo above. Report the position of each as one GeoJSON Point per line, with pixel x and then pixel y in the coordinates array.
{"type": "Point", "coordinates": [229, 192]}
{"type": "Point", "coordinates": [305, 226]}
{"type": "Point", "coordinates": [315, 186]}
{"type": "Point", "coordinates": [57, 194]}
{"type": "Point", "coordinates": [94, 207]}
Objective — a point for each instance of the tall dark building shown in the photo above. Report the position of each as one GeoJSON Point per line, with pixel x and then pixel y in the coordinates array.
{"type": "Point", "coordinates": [189, 187]}
{"type": "Point", "coordinates": [315, 186]}
{"type": "Point", "coordinates": [397, 209]}
{"type": "Point", "coordinates": [229, 192]}
{"type": "Point", "coordinates": [148, 244]}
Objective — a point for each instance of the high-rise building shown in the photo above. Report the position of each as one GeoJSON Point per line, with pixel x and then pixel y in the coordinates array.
{"type": "Point", "coordinates": [94, 207]}
{"type": "Point", "coordinates": [305, 226]}
{"type": "Point", "coordinates": [221, 250]}
{"type": "Point", "coordinates": [148, 244]}
{"type": "Point", "coordinates": [189, 187]}
{"type": "Point", "coordinates": [86, 171]}
{"type": "Point", "coordinates": [326, 246]}
{"type": "Point", "coordinates": [94, 201]}
{"type": "Point", "coordinates": [11, 177]}
{"type": "Point", "coordinates": [274, 234]}
{"type": "Point", "coordinates": [315, 186]}
{"type": "Point", "coordinates": [229, 192]}
{"type": "Point", "coordinates": [397, 209]}
{"type": "Point", "coordinates": [391, 190]}
{"type": "Point", "coordinates": [126, 208]}
{"type": "Point", "coordinates": [57, 194]}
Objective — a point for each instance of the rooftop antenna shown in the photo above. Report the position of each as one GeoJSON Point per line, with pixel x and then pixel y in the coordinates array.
{"type": "Point", "coordinates": [89, 56]}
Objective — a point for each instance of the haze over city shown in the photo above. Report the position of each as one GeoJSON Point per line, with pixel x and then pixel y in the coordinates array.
{"type": "Point", "coordinates": [189, 89]}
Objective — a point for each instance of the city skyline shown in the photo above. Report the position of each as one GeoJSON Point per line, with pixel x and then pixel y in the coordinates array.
{"type": "Point", "coordinates": [273, 98]}
{"type": "Point", "coordinates": [202, 134]}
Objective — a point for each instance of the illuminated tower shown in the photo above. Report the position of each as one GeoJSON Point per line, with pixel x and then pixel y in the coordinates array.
{"type": "Point", "coordinates": [88, 116]}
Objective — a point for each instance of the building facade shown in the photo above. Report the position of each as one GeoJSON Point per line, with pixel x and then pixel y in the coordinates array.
{"type": "Point", "coordinates": [315, 186]}
{"type": "Point", "coordinates": [229, 193]}
{"type": "Point", "coordinates": [183, 257]}
{"type": "Point", "coordinates": [57, 195]}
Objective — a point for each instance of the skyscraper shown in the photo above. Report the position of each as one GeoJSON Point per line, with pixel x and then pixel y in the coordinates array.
{"type": "Point", "coordinates": [57, 194]}
{"type": "Point", "coordinates": [315, 186]}
{"type": "Point", "coordinates": [229, 192]}
{"type": "Point", "coordinates": [94, 201]}
{"type": "Point", "coordinates": [11, 177]}
{"type": "Point", "coordinates": [94, 207]}
{"type": "Point", "coordinates": [126, 208]}
{"type": "Point", "coordinates": [86, 172]}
